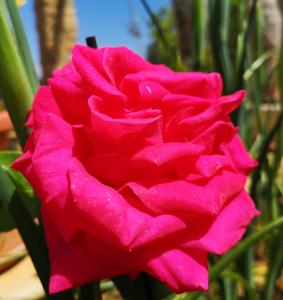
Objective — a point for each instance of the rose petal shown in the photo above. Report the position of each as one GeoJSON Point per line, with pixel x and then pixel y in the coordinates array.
{"type": "Point", "coordinates": [131, 226]}
{"type": "Point", "coordinates": [69, 73]}
{"type": "Point", "coordinates": [91, 259]}
{"type": "Point", "coordinates": [209, 165]}
{"type": "Point", "coordinates": [163, 153]}
{"type": "Point", "coordinates": [50, 163]}
{"type": "Point", "coordinates": [213, 137]}
{"type": "Point", "coordinates": [113, 169]}
{"type": "Point", "coordinates": [44, 104]}
{"type": "Point", "coordinates": [174, 103]}
{"type": "Point", "coordinates": [120, 61]}
{"type": "Point", "coordinates": [72, 101]}
{"type": "Point", "coordinates": [131, 132]}
{"type": "Point", "coordinates": [207, 85]}
{"type": "Point", "coordinates": [51, 157]}
{"type": "Point", "coordinates": [180, 270]}
{"type": "Point", "coordinates": [215, 112]}
{"type": "Point", "coordinates": [93, 79]}
{"type": "Point", "coordinates": [187, 200]}
{"type": "Point", "coordinates": [151, 93]}
{"type": "Point", "coordinates": [239, 156]}
{"type": "Point", "coordinates": [229, 226]}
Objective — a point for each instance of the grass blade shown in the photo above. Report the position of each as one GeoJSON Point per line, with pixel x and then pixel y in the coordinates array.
{"type": "Point", "coordinates": [14, 85]}
{"type": "Point", "coordinates": [22, 44]}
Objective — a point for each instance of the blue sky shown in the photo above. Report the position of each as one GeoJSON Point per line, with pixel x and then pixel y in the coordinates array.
{"type": "Point", "coordinates": [108, 20]}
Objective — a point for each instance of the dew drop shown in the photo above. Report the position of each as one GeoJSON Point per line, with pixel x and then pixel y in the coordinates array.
{"type": "Point", "coordinates": [149, 89]}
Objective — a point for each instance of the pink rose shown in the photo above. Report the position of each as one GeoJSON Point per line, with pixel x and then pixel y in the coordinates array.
{"type": "Point", "coordinates": [138, 168]}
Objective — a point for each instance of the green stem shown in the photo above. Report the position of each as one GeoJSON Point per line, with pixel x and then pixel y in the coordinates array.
{"type": "Point", "coordinates": [199, 20]}
{"type": "Point", "coordinates": [14, 85]}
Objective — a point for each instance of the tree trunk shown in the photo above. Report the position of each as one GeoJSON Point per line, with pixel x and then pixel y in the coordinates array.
{"type": "Point", "coordinates": [272, 42]}
{"type": "Point", "coordinates": [57, 29]}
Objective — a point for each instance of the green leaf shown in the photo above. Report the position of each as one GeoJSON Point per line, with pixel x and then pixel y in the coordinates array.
{"type": "Point", "coordinates": [23, 188]}
{"type": "Point", "coordinates": [6, 222]}
{"type": "Point", "coordinates": [7, 157]}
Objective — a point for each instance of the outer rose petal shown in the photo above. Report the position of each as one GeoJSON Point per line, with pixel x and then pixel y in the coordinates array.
{"type": "Point", "coordinates": [82, 259]}
{"type": "Point", "coordinates": [43, 105]}
{"type": "Point", "coordinates": [236, 150]}
{"type": "Point", "coordinates": [217, 111]}
{"type": "Point", "coordinates": [229, 226]}
{"type": "Point", "coordinates": [71, 100]}
{"type": "Point", "coordinates": [187, 200]}
{"type": "Point", "coordinates": [209, 165]}
{"type": "Point", "coordinates": [51, 156]}
{"type": "Point", "coordinates": [213, 137]}
{"type": "Point", "coordinates": [68, 72]}
{"type": "Point", "coordinates": [131, 225]}
{"type": "Point", "coordinates": [50, 162]}
{"type": "Point", "coordinates": [181, 270]}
